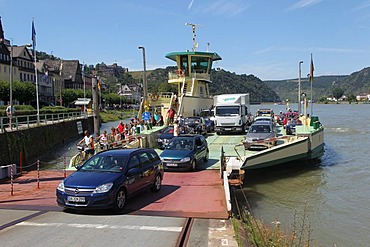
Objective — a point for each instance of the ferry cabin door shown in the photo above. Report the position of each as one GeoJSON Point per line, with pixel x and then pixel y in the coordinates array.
{"type": "Point", "coordinates": [184, 65]}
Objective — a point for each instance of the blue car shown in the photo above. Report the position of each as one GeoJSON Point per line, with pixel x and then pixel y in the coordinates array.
{"type": "Point", "coordinates": [185, 152]}
{"type": "Point", "coordinates": [165, 136]}
{"type": "Point", "coordinates": [107, 179]}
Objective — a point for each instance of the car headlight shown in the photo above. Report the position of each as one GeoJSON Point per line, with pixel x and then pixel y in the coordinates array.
{"type": "Point", "coordinates": [61, 186]}
{"type": "Point", "coordinates": [103, 188]}
{"type": "Point", "coordinates": [186, 159]}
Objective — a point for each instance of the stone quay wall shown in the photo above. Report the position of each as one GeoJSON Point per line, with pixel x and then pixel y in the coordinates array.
{"type": "Point", "coordinates": [35, 141]}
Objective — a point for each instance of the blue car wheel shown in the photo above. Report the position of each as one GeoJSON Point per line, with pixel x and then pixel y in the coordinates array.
{"type": "Point", "coordinates": [120, 200]}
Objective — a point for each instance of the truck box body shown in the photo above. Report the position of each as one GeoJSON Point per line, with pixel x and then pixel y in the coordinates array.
{"type": "Point", "coordinates": [232, 112]}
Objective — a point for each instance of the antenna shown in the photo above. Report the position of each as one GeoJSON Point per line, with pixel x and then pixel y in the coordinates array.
{"type": "Point", "coordinates": [193, 26]}
{"type": "Point", "coordinates": [208, 44]}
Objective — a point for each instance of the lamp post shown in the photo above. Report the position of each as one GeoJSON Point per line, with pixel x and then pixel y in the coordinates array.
{"type": "Point", "coordinates": [144, 79]}
{"type": "Point", "coordinates": [299, 87]}
{"type": "Point", "coordinates": [11, 83]}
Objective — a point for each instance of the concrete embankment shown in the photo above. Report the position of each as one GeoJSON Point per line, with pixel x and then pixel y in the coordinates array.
{"type": "Point", "coordinates": [36, 141]}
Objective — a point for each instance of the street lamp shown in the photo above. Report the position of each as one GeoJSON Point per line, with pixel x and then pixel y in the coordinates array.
{"type": "Point", "coordinates": [144, 79]}
{"type": "Point", "coordinates": [11, 83]}
{"type": "Point", "coordinates": [299, 87]}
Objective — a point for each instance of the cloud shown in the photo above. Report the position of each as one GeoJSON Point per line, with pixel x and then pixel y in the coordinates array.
{"type": "Point", "coordinates": [191, 4]}
{"type": "Point", "coordinates": [304, 4]}
{"type": "Point", "coordinates": [225, 7]}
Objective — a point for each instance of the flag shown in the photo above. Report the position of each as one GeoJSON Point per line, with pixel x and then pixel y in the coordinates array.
{"type": "Point", "coordinates": [33, 36]}
{"type": "Point", "coordinates": [61, 68]}
{"type": "Point", "coordinates": [46, 76]}
{"type": "Point", "coordinates": [83, 71]}
{"type": "Point", "coordinates": [311, 69]}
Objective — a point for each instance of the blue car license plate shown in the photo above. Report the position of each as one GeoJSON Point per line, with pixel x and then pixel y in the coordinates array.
{"type": "Point", "coordinates": [76, 199]}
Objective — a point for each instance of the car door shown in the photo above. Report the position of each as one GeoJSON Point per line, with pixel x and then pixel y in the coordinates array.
{"type": "Point", "coordinates": [134, 175]}
{"type": "Point", "coordinates": [148, 171]}
{"type": "Point", "coordinates": [200, 149]}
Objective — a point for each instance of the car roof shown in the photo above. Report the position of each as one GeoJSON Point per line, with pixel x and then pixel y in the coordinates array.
{"type": "Point", "coordinates": [262, 123]}
{"type": "Point", "coordinates": [122, 152]}
{"type": "Point", "coordinates": [262, 117]}
{"type": "Point", "coordinates": [186, 136]}
{"type": "Point", "coordinates": [264, 109]}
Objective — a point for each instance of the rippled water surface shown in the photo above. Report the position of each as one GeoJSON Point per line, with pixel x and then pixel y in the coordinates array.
{"type": "Point", "coordinates": [333, 195]}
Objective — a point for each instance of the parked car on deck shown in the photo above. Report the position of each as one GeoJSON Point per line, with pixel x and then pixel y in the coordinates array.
{"type": "Point", "coordinates": [210, 124]}
{"type": "Point", "coordinates": [167, 134]}
{"type": "Point", "coordinates": [266, 118]}
{"type": "Point", "coordinates": [196, 123]}
{"type": "Point", "coordinates": [185, 152]}
{"type": "Point", "coordinates": [265, 112]}
{"type": "Point", "coordinates": [108, 178]}
{"type": "Point", "coordinates": [261, 135]}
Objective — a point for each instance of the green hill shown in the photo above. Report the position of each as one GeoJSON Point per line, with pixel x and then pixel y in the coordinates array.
{"type": "Point", "coordinates": [322, 86]}
{"type": "Point", "coordinates": [222, 82]}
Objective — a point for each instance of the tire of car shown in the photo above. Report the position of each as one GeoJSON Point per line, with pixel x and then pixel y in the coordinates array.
{"type": "Point", "coordinates": [206, 157]}
{"type": "Point", "coordinates": [157, 185]}
{"type": "Point", "coordinates": [193, 165]}
{"type": "Point", "coordinates": [120, 200]}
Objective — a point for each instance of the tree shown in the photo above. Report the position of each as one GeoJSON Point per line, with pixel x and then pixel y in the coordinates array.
{"type": "Point", "coordinates": [21, 91]}
{"type": "Point", "coordinates": [338, 92]}
{"type": "Point", "coordinates": [69, 95]}
{"type": "Point", "coordinates": [351, 98]}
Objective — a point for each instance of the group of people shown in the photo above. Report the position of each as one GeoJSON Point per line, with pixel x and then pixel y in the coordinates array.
{"type": "Point", "coordinates": [123, 130]}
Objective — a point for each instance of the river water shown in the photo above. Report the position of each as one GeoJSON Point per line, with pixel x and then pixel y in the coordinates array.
{"type": "Point", "coordinates": [331, 198]}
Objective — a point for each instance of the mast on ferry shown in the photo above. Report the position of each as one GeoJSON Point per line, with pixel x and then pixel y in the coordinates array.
{"type": "Point", "coordinates": [193, 28]}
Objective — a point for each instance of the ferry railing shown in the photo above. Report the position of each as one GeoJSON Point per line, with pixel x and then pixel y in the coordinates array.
{"type": "Point", "coordinates": [29, 121]}
{"type": "Point", "coordinates": [196, 75]}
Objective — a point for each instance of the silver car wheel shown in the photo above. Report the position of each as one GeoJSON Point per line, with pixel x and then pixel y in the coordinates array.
{"type": "Point", "coordinates": [120, 199]}
{"type": "Point", "coordinates": [157, 184]}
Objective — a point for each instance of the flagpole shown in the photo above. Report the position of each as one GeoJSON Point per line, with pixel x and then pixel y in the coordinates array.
{"type": "Point", "coordinates": [311, 80]}
{"type": "Point", "coordinates": [83, 78]}
{"type": "Point", "coordinates": [35, 60]}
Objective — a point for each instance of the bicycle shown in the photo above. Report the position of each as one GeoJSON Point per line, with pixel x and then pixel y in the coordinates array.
{"type": "Point", "coordinates": [79, 158]}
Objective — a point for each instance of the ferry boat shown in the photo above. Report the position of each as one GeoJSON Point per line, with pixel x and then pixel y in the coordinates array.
{"type": "Point", "coordinates": [307, 143]}
{"type": "Point", "coordinates": [192, 79]}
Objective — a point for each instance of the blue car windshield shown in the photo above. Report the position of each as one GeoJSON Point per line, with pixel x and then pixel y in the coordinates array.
{"type": "Point", "coordinates": [180, 144]}
{"type": "Point", "coordinates": [104, 164]}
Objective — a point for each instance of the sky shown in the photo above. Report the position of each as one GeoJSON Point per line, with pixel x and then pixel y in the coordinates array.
{"type": "Point", "coordinates": [266, 38]}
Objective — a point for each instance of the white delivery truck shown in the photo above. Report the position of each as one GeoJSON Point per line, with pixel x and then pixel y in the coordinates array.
{"type": "Point", "coordinates": [232, 113]}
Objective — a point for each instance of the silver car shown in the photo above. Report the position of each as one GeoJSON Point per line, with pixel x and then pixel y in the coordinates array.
{"type": "Point", "coordinates": [261, 135]}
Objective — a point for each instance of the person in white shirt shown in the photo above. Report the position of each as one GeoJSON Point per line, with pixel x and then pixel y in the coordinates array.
{"type": "Point", "coordinates": [89, 144]}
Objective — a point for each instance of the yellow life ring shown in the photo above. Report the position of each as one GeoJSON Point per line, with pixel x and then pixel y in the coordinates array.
{"type": "Point", "coordinates": [179, 72]}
